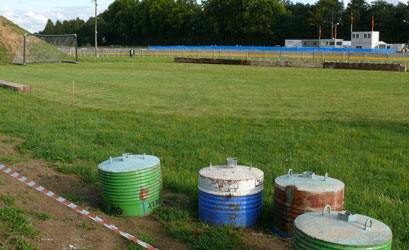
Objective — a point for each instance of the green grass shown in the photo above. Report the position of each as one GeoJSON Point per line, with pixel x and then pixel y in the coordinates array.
{"type": "Point", "coordinates": [41, 216]}
{"type": "Point", "coordinates": [9, 141]}
{"type": "Point", "coordinates": [352, 124]}
{"type": "Point", "coordinates": [15, 226]}
{"type": "Point", "coordinates": [86, 226]}
{"type": "Point", "coordinates": [182, 223]}
{"type": "Point", "coordinates": [148, 238]}
{"type": "Point", "coordinates": [78, 199]}
{"type": "Point", "coordinates": [11, 159]}
{"type": "Point", "coordinates": [87, 172]}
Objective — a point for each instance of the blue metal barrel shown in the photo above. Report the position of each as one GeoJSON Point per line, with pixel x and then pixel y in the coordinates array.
{"type": "Point", "coordinates": [230, 194]}
{"type": "Point", "coordinates": [241, 211]}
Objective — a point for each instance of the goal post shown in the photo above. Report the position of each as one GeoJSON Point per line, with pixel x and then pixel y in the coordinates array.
{"type": "Point", "coordinates": [41, 48]}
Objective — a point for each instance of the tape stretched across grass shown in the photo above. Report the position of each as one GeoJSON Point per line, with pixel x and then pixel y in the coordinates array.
{"type": "Point", "coordinates": [73, 206]}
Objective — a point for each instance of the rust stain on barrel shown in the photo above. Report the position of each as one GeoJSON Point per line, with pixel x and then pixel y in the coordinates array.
{"type": "Point", "coordinates": [144, 194]}
{"type": "Point", "coordinates": [290, 202]}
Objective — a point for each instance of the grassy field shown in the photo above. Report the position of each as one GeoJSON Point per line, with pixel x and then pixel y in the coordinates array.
{"type": "Point", "coordinates": [352, 124]}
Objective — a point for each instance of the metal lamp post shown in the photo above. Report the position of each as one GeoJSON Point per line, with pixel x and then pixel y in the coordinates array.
{"type": "Point", "coordinates": [96, 27]}
{"type": "Point", "coordinates": [332, 29]}
{"type": "Point", "coordinates": [407, 23]}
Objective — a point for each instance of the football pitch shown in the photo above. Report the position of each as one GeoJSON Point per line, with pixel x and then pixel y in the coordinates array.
{"type": "Point", "coordinates": [352, 124]}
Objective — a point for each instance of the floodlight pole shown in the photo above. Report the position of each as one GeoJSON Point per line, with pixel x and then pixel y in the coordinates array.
{"type": "Point", "coordinates": [96, 27]}
{"type": "Point", "coordinates": [406, 22]}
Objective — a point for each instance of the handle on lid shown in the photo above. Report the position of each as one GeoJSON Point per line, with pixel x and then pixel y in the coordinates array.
{"type": "Point", "coordinates": [347, 216]}
{"type": "Point", "coordinates": [368, 226]}
{"type": "Point", "coordinates": [308, 174]}
{"type": "Point", "coordinates": [325, 176]}
{"type": "Point", "coordinates": [127, 157]}
{"type": "Point", "coordinates": [325, 208]}
{"type": "Point", "coordinates": [290, 173]}
{"type": "Point", "coordinates": [231, 162]}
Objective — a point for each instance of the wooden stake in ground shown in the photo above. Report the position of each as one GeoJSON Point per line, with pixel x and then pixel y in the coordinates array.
{"type": "Point", "coordinates": [73, 92]}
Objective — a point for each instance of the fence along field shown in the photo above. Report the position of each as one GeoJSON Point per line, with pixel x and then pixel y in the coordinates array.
{"type": "Point", "coordinates": [351, 124]}
{"type": "Point", "coordinates": [249, 54]}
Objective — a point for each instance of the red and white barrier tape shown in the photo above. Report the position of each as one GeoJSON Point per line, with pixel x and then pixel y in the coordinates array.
{"type": "Point", "coordinates": [73, 206]}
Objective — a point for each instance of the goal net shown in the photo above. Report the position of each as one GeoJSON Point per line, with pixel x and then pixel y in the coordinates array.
{"type": "Point", "coordinates": [38, 48]}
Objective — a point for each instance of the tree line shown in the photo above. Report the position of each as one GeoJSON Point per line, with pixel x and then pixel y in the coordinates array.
{"type": "Point", "coordinates": [234, 22]}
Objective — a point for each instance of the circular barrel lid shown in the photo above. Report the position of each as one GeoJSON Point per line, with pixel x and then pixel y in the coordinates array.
{"type": "Point", "coordinates": [310, 182]}
{"type": "Point", "coordinates": [231, 179]}
{"type": "Point", "coordinates": [128, 163]}
{"type": "Point", "coordinates": [343, 228]}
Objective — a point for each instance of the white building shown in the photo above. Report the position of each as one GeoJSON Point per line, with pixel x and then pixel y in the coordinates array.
{"type": "Point", "coordinates": [293, 43]}
{"type": "Point", "coordinates": [322, 43]}
{"type": "Point", "coordinates": [365, 40]}
{"type": "Point", "coordinates": [331, 43]}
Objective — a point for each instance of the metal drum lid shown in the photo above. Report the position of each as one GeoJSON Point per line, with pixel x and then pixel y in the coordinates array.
{"type": "Point", "coordinates": [231, 179]}
{"type": "Point", "coordinates": [310, 182]}
{"type": "Point", "coordinates": [343, 228]}
{"type": "Point", "coordinates": [128, 163]}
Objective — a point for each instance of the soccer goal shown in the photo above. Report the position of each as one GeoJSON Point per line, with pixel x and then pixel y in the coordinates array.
{"type": "Point", "coordinates": [39, 48]}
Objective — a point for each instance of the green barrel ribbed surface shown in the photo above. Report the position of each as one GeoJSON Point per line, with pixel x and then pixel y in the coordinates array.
{"type": "Point", "coordinates": [301, 241]}
{"type": "Point", "coordinates": [134, 193]}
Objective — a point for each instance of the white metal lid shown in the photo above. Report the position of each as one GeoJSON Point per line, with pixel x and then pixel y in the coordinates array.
{"type": "Point", "coordinates": [343, 228]}
{"type": "Point", "coordinates": [231, 179]}
{"type": "Point", "coordinates": [310, 182]}
{"type": "Point", "coordinates": [128, 163]}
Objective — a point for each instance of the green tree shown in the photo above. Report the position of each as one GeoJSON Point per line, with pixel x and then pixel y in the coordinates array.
{"type": "Point", "coordinates": [49, 28]}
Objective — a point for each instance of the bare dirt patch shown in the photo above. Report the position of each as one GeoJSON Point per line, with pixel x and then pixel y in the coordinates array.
{"type": "Point", "coordinates": [10, 38]}
{"type": "Point", "coordinates": [265, 240]}
{"type": "Point", "coordinates": [65, 228]}
{"type": "Point", "coordinates": [62, 228]}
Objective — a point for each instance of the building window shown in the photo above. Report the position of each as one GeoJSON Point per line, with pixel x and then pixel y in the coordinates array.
{"type": "Point", "coordinates": [305, 43]}
{"type": "Point", "coordinates": [339, 43]}
{"type": "Point", "coordinates": [353, 35]}
{"type": "Point", "coordinates": [326, 43]}
{"type": "Point", "coordinates": [357, 35]}
{"type": "Point", "coordinates": [315, 43]}
{"type": "Point", "coordinates": [331, 43]}
{"type": "Point", "coordinates": [369, 35]}
{"type": "Point", "coordinates": [365, 36]}
{"type": "Point", "coordinates": [359, 47]}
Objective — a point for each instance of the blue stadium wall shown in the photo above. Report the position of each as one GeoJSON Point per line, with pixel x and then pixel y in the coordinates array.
{"type": "Point", "coordinates": [309, 49]}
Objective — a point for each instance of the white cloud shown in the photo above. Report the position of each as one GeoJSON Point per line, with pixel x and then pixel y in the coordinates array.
{"type": "Point", "coordinates": [35, 18]}
{"type": "Point", "coordinates": [60, 16]}
{"type": "Point", "coordinates": [27, 19]}
{"type": "Point", "coordinates": [35, 21]}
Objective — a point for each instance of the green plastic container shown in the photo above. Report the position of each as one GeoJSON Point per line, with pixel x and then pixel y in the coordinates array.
{"type": "Point", "coordinates": [131, 184]}
{"type": "Point", "coordinates": [340, 230]}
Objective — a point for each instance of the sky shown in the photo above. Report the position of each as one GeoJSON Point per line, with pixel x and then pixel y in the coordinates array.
{"type": "Point", "coordinates": [32, 15]}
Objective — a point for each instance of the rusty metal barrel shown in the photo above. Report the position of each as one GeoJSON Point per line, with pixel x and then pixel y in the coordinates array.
{"type": "Point", "coordinates": [230, 194]}
{"type": "Point", "coordinates": [131, 184]}
{"type": "Point", "coordinates": [340, 230]}
{"type": "Point", "coordinates": [296, 194]}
